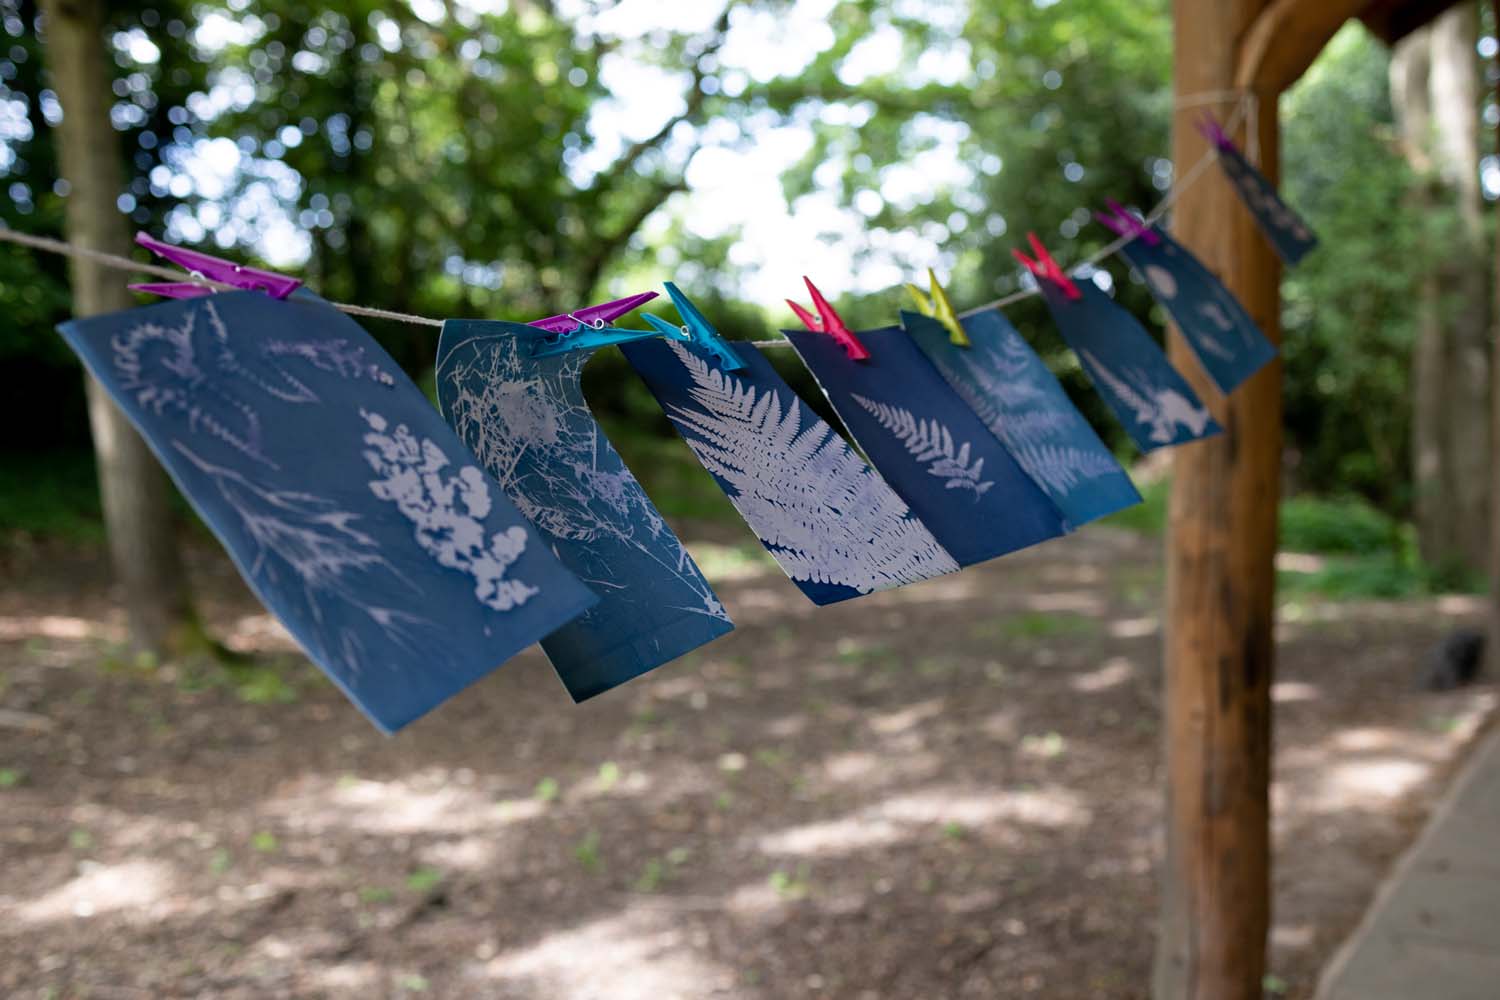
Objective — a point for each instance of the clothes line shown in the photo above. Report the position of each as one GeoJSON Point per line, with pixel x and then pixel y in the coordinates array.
{"type": "Point", "coordinates": [1178, 188]}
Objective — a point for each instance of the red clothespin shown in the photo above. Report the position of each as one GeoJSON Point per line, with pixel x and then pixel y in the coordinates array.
{"type": "Point", "coordinates": [828, 321]}
{"type": "Point", "coordinates": [1209, 126]}
{"type": "Point", "coordinates": [1123, 223]}
{"type": "Point", "coordinates": [278, 286]}
{"type": "Point", "coordinates": [1044, 268]}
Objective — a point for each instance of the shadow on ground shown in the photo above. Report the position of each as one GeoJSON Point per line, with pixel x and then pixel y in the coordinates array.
{"type": "Point", "coordinates": [948, 791]}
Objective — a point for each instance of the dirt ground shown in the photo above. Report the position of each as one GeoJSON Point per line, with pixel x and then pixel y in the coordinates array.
{"type": "Point", "coordinates": [951, 791]}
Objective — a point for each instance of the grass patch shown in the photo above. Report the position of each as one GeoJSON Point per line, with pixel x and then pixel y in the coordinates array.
{"type": "Point", "coordinates": [51, 496]}
{"type": "Point", "coordinates": [1347, 526]}
{"type": "Point", "coordinates": [1036, 625]}
{"type": "Point", "coordinates": [1149, 517]}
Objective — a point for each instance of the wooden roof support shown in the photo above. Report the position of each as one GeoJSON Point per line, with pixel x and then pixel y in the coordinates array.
{"type": "Point", "coordinates": [1286, 37]}
{"type": "Point", "coordinates": [1221, 541]}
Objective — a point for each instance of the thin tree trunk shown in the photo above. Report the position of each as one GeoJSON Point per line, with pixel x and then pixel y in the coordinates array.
{"type": "Point", "coordinates": [1435, 92]}
{"type": "Point", "coordinates": [1220, 577]}
{"type": "Point", "coordinates": [134, 491]}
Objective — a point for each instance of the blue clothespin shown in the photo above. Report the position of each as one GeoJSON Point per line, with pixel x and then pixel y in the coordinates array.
{"type": "Point", "coordinates": [697, 329]}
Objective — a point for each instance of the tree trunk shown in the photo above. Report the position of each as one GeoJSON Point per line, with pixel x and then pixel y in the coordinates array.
{"type": "Point", "coordinates": [1435, 91]}
{"type": "Point", "coordinates": [1220, 574]}
{"type": "Point", "coordinates": [134, 491]}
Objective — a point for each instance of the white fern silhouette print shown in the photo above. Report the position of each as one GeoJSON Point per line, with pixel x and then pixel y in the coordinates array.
{"type": "Point", "coordinates": [192, 370]}
{"type": "Point", "coordinates": [999, 382]}
{"type": "Point", "coordinates": [334, 563]}
{"type": "Point", "coordinates": [931, 443]}
{"type": "Point", "coordinates": [821, 511]}
{"type": "Point", "coordinates": [1158, 407]}
{"type": "Point", "coordinates": [447, 510]}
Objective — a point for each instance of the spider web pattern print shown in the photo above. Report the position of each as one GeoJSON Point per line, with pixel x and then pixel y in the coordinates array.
{"type": "Point", "coordinates": [1159, 408]}
{"type": "Point", "coordinates": [447, 511]}
{"type": "Point", "coordinates": [549, 454]}
{"type": "Point", "coordinates": [307, 541]}
{"type": "Point", "coordinates": [931, 443]}
{"type": "Point", "coordinates": [820, 510]}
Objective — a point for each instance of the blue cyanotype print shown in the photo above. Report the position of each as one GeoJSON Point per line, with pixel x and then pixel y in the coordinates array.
{"type": "Point", "coordinates": [527, 420]}
{"type": "Point", "coordinates": [1021, 402]}
{"type": "Point", "coordinates": [1228, 344]}
{"type": "Point", "coordinates": [933, 449]}
{"type": "Point", "coordinates": [1150, 397]}
{"type": "Point", "coordinates": [833, 525]}
{"type": "Point", "coordinates": [348, 505]}
{"type": "Point", "coordinates": [1287, 232]}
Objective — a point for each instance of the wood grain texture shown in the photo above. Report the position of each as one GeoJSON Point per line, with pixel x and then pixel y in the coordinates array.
{"type": "Point", "coordinates": [1220, 576]}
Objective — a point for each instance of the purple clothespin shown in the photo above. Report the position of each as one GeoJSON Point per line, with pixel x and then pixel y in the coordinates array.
{"type": "Point", "coordinates": [278, 286]}
{"type": "Point", "coordinates": [1214, 132]}
{"type": "Point", "coordinates": [1123, 223]}
{"type": "Point", "coordinates": [594, 316]}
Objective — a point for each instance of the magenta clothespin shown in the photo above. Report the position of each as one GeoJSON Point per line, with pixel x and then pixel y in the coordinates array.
{"type": "Point", "coordinates": [1044, 268]}
{"type": "Point", "coordinates": [597, 315]}
{"type": "Point", "coordinates": [828, 321]}
{"type": "Point", "coordinates": [1213, 131]}
{"type": "Point", "coordinates": [1123, 223]}
{"type": "Point", "coordinates": [278, 286]}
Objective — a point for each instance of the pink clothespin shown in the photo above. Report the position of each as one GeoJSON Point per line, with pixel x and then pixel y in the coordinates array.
{"type": "Point", "coordinates": [594, 316]}
{"type": "Point", "coordinates": [828, 321]}
{"type": "Point", "coordinates": [1044, 268]}
{"type": "Point", "coordinates": [1123, 223]}
{"type": "Point", "coordinates": [1213, 131]}
{"type": "Point", "coordinates": [278, 286]}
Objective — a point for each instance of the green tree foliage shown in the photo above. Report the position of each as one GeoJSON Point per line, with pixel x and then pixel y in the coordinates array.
{"type": "Point", "coordinates": [1348, 316]}
{"type": "Point", "coordinates": [434, 158]}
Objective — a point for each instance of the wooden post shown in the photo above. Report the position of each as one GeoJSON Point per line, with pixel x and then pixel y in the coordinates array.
{"type": "Point", "coordinates": [1220, 573]}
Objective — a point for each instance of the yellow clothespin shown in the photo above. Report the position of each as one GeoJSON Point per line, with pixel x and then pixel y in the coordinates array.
{"type": "Point", "coordinates": [939, 308]}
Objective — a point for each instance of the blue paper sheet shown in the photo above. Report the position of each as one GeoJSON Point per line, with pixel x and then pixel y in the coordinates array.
{"type": "Point", "coordinates": [347, 504]}
{"type": "Point", "coordinates": [1221, 333]}
{"type": "Point", "coordinates": [527, 420]}
{"type": "Point", "coordinates": [935, 452]}
{"type": "Point", "coordinates": [1021, 402]}
{"type": "Point", "coordinates": [1289, 234]}
{"type": "Point", "coordinates": [831, 523]}
{"type": "Point", "coordinates": [1152, 400]}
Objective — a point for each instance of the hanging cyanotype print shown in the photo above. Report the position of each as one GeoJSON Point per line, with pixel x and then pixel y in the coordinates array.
{"type": "Point", "coordinates": [1152, 400]}
{"type": "Point", "coordinates": [831, 523]}
{"type": "Point", "coordinates": [1021, 402]}
{"type": "Point", "coordinates": [1287, 232]}
{"type": "Point", "coordinates": [1225, 339]}
{"type": "Point", "coordinates": [934, 451]}
{"type": "Point", "coordinates": [527, 420]}
{"type": "Point", "coordinates": [348, 505]}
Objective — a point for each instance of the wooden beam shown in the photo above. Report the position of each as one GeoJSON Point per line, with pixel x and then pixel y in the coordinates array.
{"type": "Point", "coordinates": [1286, 37]}
{"type": "Point", "coordinates": [1220, 574]}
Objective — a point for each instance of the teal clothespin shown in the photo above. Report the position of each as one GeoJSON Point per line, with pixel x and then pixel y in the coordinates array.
{"type": "Point", "coordinates": [697, 329]}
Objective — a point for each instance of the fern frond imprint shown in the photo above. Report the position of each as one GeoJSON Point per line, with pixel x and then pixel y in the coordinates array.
{"type": "Point", "coordinates": [931, 443]}
{"type": "Point", "coordinates": [822, 512]}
